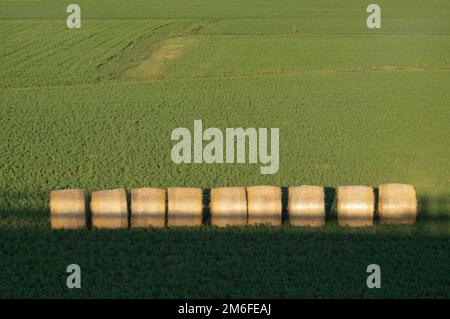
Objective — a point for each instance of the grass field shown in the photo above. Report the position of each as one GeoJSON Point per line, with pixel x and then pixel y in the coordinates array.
{"type": "Point", "coordinates": [94, 108]}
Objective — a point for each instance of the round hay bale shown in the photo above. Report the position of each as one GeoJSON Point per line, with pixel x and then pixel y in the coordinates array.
{"type": "Point", "coordinates": [306, 206]}
{"type": "Point", "coordinates": [68, 209]}
{"type": "Point", "coordinates": [185, 206]}
{"type": "Point", "coordinates": [397, 204]}
{"type": "Point", "coordinates": [264, 205]}
{"type": "Point", "coordinates": [355, 206]}
{"type": "Point", "coordinates": [228, 206]}
{"type": "Point", "coordinates": [109, 209]}
{"type": "Point", "coordinates": [148, 207]}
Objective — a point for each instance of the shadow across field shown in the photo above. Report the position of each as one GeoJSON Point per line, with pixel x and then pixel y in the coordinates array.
{"type": "Point", "coordinates": [436, 208]}
{"type": "Point", "coordinates": [239, 262]}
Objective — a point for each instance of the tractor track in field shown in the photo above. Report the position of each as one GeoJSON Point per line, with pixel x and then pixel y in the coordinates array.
{"type": "Point", "coordinates": [159, 78]}
{"type": "Point", "coordinates": [379, 69]}
{"type": "Point", "coordinates": [327, 34]}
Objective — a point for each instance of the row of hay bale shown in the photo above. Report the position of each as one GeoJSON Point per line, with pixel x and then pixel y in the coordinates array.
{"type": "Point", "coordinates": [231, 206]}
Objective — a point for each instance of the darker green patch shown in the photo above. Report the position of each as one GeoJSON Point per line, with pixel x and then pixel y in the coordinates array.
{"type": "Point", "coordinates": [234, 262]}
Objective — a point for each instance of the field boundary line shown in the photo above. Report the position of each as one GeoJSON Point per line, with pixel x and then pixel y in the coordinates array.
{"type": "Point", "coordinates": [318, 34]}
{"type": "Point", "coordinates": [118, 82]}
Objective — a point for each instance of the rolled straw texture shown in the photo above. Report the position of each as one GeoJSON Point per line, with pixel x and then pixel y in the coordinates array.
{"type": "Point", "coordinates": [264, 205]}
{"type": "Point", "coordinates": [306, 206]}
{"type": "Point", "coordinates": [397, 204]}
{"type": "Point", "coordinates": [148, 207]}
{"type": "Point", "coordinates": [355, 206]}
{"type": "Point", "coordinates": [68, 209]}
{"type": "Point", "coordinates": [185, 206]}
{"type": "Point", "coordinates": [109, 209]}
{"type": "Point", "coordinates": [228, 206]}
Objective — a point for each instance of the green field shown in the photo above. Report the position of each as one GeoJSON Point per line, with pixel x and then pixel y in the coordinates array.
{"type": "Point", "coordinates": [95, 107]}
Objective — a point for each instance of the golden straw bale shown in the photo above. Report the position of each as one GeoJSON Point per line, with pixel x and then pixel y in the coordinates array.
{"type": "Point", "coordinates": [397, 204]}
{"type": "Point", "coordinates": [355, 206]}
{"type": "Point", "coordinates": [68, 209]}
{"type": "Point", "coordinates": [264, 205]}
{"type": "Point", "coordinates": [109, 209]}
{"type": "Point", "coordinates": [228, 206]}
{"type": "Point", "coordinates": [148, 207]}
{"type": "Point", "coordinates": [185, 206]}
{"type": "Point", "coordinates": [306, 206]}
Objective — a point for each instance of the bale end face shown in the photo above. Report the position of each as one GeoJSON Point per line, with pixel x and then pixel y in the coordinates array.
{"type": "Point", "coordinates": [355, 206]}
{"type": "Point", "coordinates": [185, 206]}
{"type": "Point", "coordinates": [306, 206]}
{"type": "Point", "coordinates": [109, 209]}
{"type": "Point", "coordinates": [264, 205]}
{"type": "Point", "coordinates": [228, 206]}
{"type": "Point", "coordinates": [68, 209]}
{"type": "Point", "coordinates": [148, 207]}
{"type": "Point", "coordinates": [397, 204]}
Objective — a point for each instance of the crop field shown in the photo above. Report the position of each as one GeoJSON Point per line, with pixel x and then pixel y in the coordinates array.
{"type": "Point", "coordinates": [94, 108]}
